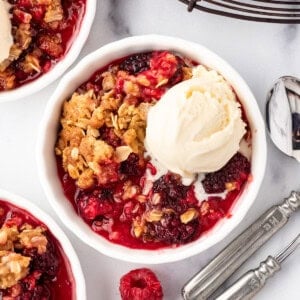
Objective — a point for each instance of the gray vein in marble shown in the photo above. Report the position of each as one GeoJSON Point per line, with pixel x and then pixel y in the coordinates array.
{"type": "Point", "coordinates": [290, 32]}
{"type": "Point", "coordinates": [276, 175]}
{"type": "Point", "coordinates": [289, 36]}
{"type": "Point", "coordinates": [119, 26]}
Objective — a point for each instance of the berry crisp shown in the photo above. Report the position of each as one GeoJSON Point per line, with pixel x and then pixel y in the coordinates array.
{"type": "Point", "coordinates": [109, 177]}
{"type": "Point", "coordinates": [43, 31]}
{"type": "Point", "coordinates": [32, 263]}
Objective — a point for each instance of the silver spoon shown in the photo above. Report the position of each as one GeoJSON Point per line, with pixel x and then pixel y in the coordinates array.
{"type": "Point", "coordinates": [283, 115]}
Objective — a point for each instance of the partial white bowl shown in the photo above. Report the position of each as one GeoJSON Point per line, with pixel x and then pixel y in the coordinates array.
{"type": "Point", "coordinates": [49, 128]}
{"type": "Point", "coordinates": [59, 68]}
{"type": "Point", "coordinates": [57, 233]}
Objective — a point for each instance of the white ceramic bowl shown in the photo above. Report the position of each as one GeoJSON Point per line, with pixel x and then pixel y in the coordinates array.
{"type": "Point", "coordinates": [59, 68]}
{"type": "Point", "coordinates": [57, 233]}
{"type": "Point", "coordinates": [48, 134]}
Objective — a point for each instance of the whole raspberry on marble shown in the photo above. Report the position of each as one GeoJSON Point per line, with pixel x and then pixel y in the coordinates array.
{"type": "Point", "coordinates": [140, 284]}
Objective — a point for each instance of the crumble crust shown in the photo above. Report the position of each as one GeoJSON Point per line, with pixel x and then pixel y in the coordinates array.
{"type": "Point", "coordinates": [84, 115]}
{"type": "Point", "coordinates": [14, 266]}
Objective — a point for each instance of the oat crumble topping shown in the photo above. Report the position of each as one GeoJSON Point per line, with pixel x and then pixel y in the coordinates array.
{"type": "Point", "coordinates": [32, 265]}
{"type": "Point", "coordinates": [80, 144]}
{"type": "Point", "coordinates": [14, 266]}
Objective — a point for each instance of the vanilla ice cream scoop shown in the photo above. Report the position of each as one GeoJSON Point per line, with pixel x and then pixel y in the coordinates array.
{"type": "Point", "coordinates": [196, 126]}
{"type": "Point", "coordinates": [6, 38]}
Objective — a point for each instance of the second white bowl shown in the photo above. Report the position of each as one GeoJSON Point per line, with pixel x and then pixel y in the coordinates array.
{"type": "Point", "coordinates": [60, 67]}
{"type": "Point", "coordinates": [64, 243]}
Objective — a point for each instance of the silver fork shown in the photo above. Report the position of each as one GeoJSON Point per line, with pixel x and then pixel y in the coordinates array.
{"type": "Point", "coordinates": [248, 285]}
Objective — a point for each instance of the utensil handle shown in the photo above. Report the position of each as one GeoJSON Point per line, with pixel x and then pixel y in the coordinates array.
{"type": "Point", "coordinates": [208, 280]}
{"type": "Point", "coordinates": [247, 286]}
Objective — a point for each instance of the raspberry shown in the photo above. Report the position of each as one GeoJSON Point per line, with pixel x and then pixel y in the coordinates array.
{"type": "Point", "coordinates": [108, 173]}
{"type": "Point", "coordinates": [211, 212]}
{"type": "Point", "coordinates": [136, 63]}
{"type": "Point", "coordinates": [37, 12]}
{"type": "Point", "coordinates": [46, 66]}
{"type": "Point", "coordinates": [22, 16]}
{"type": "Point", "coordinates": [140, 284]}
{"type": "Point", "coordinates": [235, 171]}
{"type": "Point", "coordinates": [165, 63]}
{"type": "Point", "coordinates": [31, 290]}
{"type": "Point", "coordinates": [25, 3]}
{"type": "Point", "coordinates": [95, 204]}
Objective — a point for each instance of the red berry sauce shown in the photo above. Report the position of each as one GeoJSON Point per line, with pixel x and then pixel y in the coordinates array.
{"type": "Point", "coordinates": [168, 214]}
{"type": "Point", "coordinates": [50, 275]}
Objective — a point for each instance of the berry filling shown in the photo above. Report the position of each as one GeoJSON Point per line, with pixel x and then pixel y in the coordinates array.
{"type": "Point", "coordinates": [41, 270]}
{"type": "Point", "coordinates": [140, 284]}
{"type": "Point", "coordinates": [112, 182]}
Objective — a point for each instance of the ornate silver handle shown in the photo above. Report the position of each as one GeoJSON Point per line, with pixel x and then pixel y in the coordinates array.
{"type": "Point", "coordinates": [209, 279]}
{"type": "Point", "coordinates": [252, 282]}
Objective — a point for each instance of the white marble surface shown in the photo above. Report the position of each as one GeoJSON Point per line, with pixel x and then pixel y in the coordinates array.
{"type": "Point", "coordinates": [259, 52]}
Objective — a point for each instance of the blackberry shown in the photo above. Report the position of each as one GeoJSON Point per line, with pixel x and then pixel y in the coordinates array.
{"type": "Point", "coordinates": [136, 63]}
{"type": "Point", "coordinates": [173, 193]}
{"type": "Point", "coordinates": [171, 230]}
{"type": "Point", "coordinates": [46, 263]}
{"type": "Point", "coordinates": [235, 171]}
{"type": "Point", "coordinates": [132, 166]}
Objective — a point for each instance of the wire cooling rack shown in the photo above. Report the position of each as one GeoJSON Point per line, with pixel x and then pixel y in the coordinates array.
{"type": "Point", "coordinates": [272, 11]}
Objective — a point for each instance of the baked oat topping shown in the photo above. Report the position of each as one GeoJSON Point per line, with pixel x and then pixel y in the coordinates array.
{"type": "Point", "coordinates": [12, 238]}
{"type": "Point", "coordinates": [13, 267]}
{"type": "Point", "coordinates": [30, 237]}
{"type": "Point", "coordinates": [87, 120]}
{"type": "Point", "coordinates": [8, 236]}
